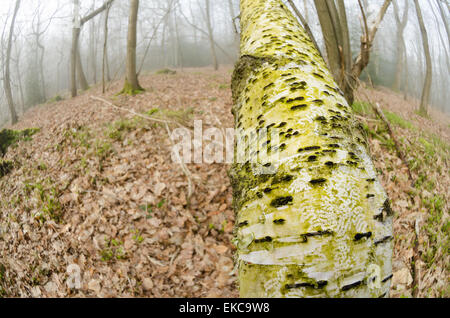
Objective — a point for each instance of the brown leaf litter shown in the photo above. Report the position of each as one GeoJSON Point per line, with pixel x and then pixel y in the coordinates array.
{"type": "Point", "coordinates": [96, 187]}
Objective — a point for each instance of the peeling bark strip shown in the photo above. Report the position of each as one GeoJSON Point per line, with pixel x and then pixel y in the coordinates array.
{"type": "Point", "coordinates": [323, 173]}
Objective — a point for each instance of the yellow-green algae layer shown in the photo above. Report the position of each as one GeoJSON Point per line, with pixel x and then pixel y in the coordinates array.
{"type": "Point", "coordinates": [321, 226]}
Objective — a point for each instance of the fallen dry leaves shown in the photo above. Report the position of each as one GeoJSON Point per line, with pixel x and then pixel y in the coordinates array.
{"type": "Point", "coordinates": [111, 201]}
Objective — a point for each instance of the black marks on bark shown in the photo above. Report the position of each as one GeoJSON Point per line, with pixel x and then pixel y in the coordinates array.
{"type": "Point", "coordinates": [242, 224]}
{"type": "Point", "coordinates": [309, 148]}
{"type": "Point", "coordinates": [387, 278]}
{"type": "Point", "coordinates": [359, 236]}
{"type": "Point", "coordinates": [263, 240]}
{"type": "Point", "coordinates": [301, 106]}
{"type": "Point", "coordinates": [352, 285]}
{"type": "Point", "coordinates": [318, 181]}
{"type": "Point", "coordinates": [384, 240]}
{"type": "Point", "coordinates": [281, 201]}
{"type": "Point", "coordinates": [317, 285]}
{"type": "Point", "coordinates": [318, 233]}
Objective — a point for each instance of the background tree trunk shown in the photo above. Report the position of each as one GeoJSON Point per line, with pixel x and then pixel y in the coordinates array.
{"type": "Point", "coordinates": [333, 21]}
{"type": "Point", "coordinates": [401, 24]}
{"type": "Point", "coordinates": [93, 51]}
{"type": "Point", "coordinates": [80, 72]}
{"type": "Point", "coordinates": [312, 220]}
{"type": "Point", "coordinates": [7, 75]}
{"type": "Point", "coordinates": [429, 68]}
{"type": "Point", "coordinates": [444, 19]}
{"type": "Point", "coordinates": [105, 68]}
{"type": "Point", "coordinates": [331, 37]}
{"type": "Point", "coordinates": [74, 53]}
{"type": "Point", "coordinates": [234, 29]}
{"type": "Point", "coordinates": [346, 50]}
{"type": "Point", "coordinates": [131, 82]}
{"type": "Point", "coordinates": [210, 35]}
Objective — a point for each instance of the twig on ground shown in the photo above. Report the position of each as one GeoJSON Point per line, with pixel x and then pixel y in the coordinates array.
{"type": "Point", "coordinates": [183, 167]}
{"type": "Point", "coordinates": [166, 122]}
{"type": "Point", "coordinates": [130, 111]}
{"type": "Point", "coordinates": [367, 119]}
{"type": "Point", "coordinates": [380, 114]}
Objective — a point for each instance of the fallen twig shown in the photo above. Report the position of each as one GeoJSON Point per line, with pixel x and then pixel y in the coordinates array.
{"type": "Point", "coordinates": [380, 114]}
{"type": "Point", "coordinates": [183, 167]}
{"type": "Point", "coordinates": [166, 122]}
{"type": "Point", "coordinates": [131, 111]}
{"type": "Point", "coordinates": [367, 119]}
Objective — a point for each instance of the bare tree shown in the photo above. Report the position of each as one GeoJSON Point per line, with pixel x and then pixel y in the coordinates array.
{"type": "Point", "coordinates": [153, 36]}
{"type": "Point", "coordinates": [334, 26]}
{"type": "Point", "coordinates": [444, 19]}
{"type": "Point", "coordinates": [401, 48]}
{"type": "Point", "coordinates": [328, 18]}
{"type": "Point", "coordinates": [441, 38]}
{"type": "Point", "coordinates": [429, 67]}
{"type": "Point", "coordinates": [75, 61]}
{"type": "Point", "coordinates": [105, 68]}
{"type": "Point", "coordinates": [131, 85]}
{"type": "Point", "coordinates": [7, 75]}
{"type": "Point", "coordinates": [232, 17]}
{"type": "Point", "coordinates": [210, 35]}
{"type": "Point", "coordinates": [17, 61]}
{"type": "Point", "coordinates": [93, 49]}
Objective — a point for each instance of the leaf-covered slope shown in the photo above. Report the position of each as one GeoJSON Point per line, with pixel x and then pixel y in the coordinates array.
{"type": "Point", "coordinates": [96, 187]}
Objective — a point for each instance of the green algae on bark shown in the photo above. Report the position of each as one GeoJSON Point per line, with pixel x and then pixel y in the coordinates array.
{"type": "Point", "coordinates": [319, 224]}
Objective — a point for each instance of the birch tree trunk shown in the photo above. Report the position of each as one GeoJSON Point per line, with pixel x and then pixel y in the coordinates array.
{"type": "Point", "coordinates": [93, 50]}
{"type": "Point", "coordinates": [75, 61]}
{"type": "Point", "coordinates": [76, 30]}
{"type": "Point", "coordinates": [312, 220]}
{"type": "Point", "coordinates": [7, 75]}
{"type": "Point", "coordinates": [105, 67]}
{"type": "Point", "coordinates": [429, 68]}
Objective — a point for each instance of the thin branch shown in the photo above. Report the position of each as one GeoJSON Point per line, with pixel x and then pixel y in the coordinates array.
{"type": "Point", "coordinates": [305, 25]}
{"type": "Point", "coordinates": [206, 33]}
{"type": "Point", "coordinates": [152, 37]}
{"type": "Point", "coordinates": [366, 28]}
{"type": "Point", "coordinates": [95, 13]}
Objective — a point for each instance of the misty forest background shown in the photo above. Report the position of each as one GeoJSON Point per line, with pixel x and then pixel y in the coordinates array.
{"type": "Point", "coordinates": [86, 169]}
{"type": "Point", "coordinates": [175, 34]}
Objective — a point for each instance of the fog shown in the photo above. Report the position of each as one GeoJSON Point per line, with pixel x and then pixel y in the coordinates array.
{"type": "Point", "coordinates": [173, 34]}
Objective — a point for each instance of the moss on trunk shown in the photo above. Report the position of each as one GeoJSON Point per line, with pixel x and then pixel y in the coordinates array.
{"type": "Point", "coordinates": [319, 224]}
{"type": "Point", "coordinates": [128, 89]}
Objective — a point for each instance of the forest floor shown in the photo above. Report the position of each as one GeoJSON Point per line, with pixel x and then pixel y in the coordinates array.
{"type": "Point", "coordinates": [96, 187]}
